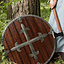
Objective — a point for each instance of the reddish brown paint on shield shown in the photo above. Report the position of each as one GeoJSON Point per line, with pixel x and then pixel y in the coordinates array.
{"type": "Point", "coordinates": [13, 35]}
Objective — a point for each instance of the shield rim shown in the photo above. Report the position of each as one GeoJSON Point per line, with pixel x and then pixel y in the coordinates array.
{"type": "Point", "coordinates": [31, 16]}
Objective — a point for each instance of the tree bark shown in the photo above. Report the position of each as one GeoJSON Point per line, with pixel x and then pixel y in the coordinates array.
{"type": "Point", "coordinates": [27, 7]}
{"type": "Point", "coordinates": [34, 7]}
{"type": "Point", "coordinates": [9, 11]}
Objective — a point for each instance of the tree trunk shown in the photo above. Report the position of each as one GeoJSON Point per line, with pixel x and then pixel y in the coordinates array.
{"type": "Point", "coordinates": [9, 11]}
{"type": "Point", "coordinates": [34, 7]}
{"type": "Point", "coordinates": [27, 7]}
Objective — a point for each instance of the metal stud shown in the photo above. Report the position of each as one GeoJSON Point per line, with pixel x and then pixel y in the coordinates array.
{"type": "Point", "coordinates": [7, 51]}
{"type": "Point", "coordinates": [19, 19]}
{"type": "Point", "coordinates": [38, 63]}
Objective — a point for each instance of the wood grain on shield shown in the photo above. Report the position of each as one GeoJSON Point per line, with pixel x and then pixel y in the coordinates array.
{"type": "Point", "coordinates": [10, 43]}
{"type": "Point", "coordinates": [47, 42]}
{"type": "Point", "coordinates": [23, 55]}
{"type": "Point", "coordinates": [22, 37]}
{"type": "Point", "coordinates": [34, 31]}
{"type": "Point", "coordinates": [6, 46]}
{"type": "Point", "coordinates": [42, 30]}
{"type": "Point", "coordinates": [39, 25]}
{"type": "Point", "coordinates": [50, 36]}
{"type": "Point", "coordinates": [30, 32]}
{"type": "Point", "coordinates": [46, 30]}
{"type": "Point", "coordinates": [13, 35]}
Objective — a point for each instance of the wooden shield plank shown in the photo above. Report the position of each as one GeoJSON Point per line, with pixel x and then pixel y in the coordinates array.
{"type": "Point", "coordinates": [29, 40]}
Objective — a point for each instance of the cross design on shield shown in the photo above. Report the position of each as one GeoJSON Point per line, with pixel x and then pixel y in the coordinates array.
{"type": "Point", "coordinates": [29, 42]}
{"type": "Point", "coordinates": [34, 53]}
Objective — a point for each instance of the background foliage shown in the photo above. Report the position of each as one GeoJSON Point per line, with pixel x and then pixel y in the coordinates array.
{"type": "Point", "coordinates": [45, 13]}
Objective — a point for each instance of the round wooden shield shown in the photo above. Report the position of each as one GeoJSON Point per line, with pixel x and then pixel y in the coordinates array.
{"type": "Point", "coordinates": [29, 40]}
